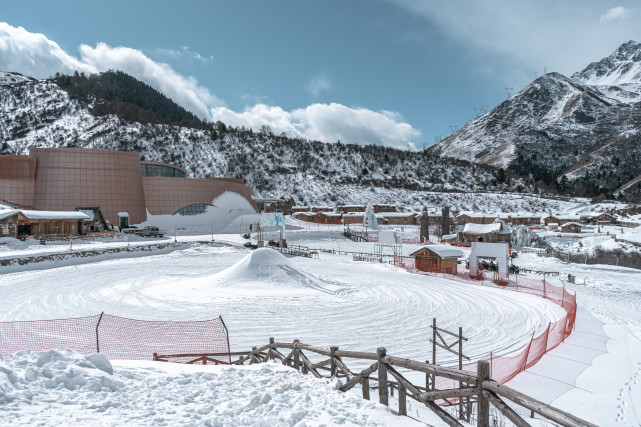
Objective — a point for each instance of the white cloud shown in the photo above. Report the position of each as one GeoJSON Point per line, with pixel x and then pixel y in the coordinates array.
{"type": "Point", "coordinates": [564, 36]}
{"type": "Point", "coordinates": [186, 51]}
{"type": "Point", "coordinates": [319, 83]}
{"type": "Point", "coordinates": [327, 122]}
{"type": "Point", "coordinates": [35, 55]}
{"type": "Point", "coordinates": [615, 13]}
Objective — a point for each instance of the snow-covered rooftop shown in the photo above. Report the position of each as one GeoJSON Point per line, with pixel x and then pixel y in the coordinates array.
{"type": "Point", "coordinates": [565, 216]}
{"type": "Point", "coordinates": [570, 223]}
{"type": "Point", "coordinates": [398, 214]}
{"type": "Point", "coordinates": [53, 214]}
{"type": "Point", "coordinates": [482, 228]}
{"type": "Point", "coordinates": [6, 213]}
{"type": "Point", "coordinates": [442, 251]}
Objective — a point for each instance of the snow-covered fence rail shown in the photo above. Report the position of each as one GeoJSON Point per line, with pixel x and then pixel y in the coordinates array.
{"type": "Point", "coordinates": [449, 385]}
{"type": "Point", "coordinates": [120, 338]}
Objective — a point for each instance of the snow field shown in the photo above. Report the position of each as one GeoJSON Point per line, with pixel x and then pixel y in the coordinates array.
{"type": "Point", "coordinates": [63, 387]}
{"type": "Point", "coordinates": [326, 301]}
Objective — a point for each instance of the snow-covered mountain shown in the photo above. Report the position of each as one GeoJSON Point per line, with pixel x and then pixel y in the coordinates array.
{"type": "Point", "coordinates": [586, 128]}
{"type": "Point", "coordinates": [40, 113]}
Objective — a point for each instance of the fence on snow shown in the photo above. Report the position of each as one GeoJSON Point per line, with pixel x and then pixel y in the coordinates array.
{"type": "Point", "coordinates": [121, 338]}
{"type": "Point", "coordinates": [504, 368]}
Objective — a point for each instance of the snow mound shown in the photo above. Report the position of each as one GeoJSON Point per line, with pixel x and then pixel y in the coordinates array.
{"type": "Point", "coordinates": [26, 373]}
{"type": "Point", "coordinates": [266, 267]}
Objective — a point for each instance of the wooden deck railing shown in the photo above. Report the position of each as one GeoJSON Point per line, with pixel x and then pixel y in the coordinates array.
{"type": "Point", "coordinates": [476, 386]}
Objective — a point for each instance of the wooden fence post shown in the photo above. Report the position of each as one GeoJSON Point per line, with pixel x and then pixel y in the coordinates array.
{"type": "Point", "coordinates": [402, 400]}
{"type": "Point", "coordinates": [482, 405]}
{"type": "Point", "coordinates": [382, 377]}
{"type": "Point", "coordinates": [296, 356]}
{"type": "Point", "coordinates": [269, 352]}
{"type": "Point", "coordinates": [434, 351]}
{"type": "Point", "coordinates": [334, 370]}
{"type": "Point", "coordinates": [253, 358]}
{"type": "Point", "coordinates": [365, 384]}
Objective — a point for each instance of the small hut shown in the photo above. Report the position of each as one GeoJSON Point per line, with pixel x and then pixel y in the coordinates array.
{"type": "Point", "coordinates": [437, 259]}
{"type": "Point", "coordinates": [571, 227]}
{"type": "Point", "coordinates": [96, 223]}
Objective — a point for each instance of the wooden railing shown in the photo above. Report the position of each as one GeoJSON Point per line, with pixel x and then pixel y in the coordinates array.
{"type": "Point", "coordinates": [478, 386]}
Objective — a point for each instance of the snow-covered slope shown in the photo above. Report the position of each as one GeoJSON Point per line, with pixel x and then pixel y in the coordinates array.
{"type": "Point", "coordinates": [40, 113]}
{"type": "Point", "coordinates": [586, 127]}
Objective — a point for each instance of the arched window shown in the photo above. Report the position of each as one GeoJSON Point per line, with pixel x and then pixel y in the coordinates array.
{"type": "Point", "coordinates": [195, 209]}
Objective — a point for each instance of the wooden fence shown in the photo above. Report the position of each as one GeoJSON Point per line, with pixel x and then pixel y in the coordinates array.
{"type": "Point", "coordinates": [477, 386]}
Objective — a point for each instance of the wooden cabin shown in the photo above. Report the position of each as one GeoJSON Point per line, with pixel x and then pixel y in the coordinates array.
{"type": "Point", "coordinates": [571, 227]}
{"type": "Point", "coordinates": [401, 218]}
{"type": "Point", "coordinates": [329, 217]}
{"type": "Point", "coordinates": [492, 233]}
{"type": "Point", "coordinates": [9, 223]}
{"type": "Point", "coordinates": [598, 218]}
{"type": "Point", "coordinates": [382, 208]}
{"type": "Point", "coordinates": [322, 209]}
{"type": "Point", "coordinates": [96, 223]}
{"type": "Point", "coordinates": [296, 209]}
{"type": "Point", "coordinates": [561, 218]}
{"type": "Point", "coordinates": [49, 223]}
{"type": "Point", "coordinates": [475, 218]}
{"type": "Point", "coordinates": [524, 218]}
{"type": "Point", "coordinates": [437, 259]}
{"type": "Point", "coordinates": [351, 208]}
{"type": "Point", "coordinates": [306, 216]}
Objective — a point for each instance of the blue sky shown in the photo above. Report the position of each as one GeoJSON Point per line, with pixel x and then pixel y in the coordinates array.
{"type": "Point", "coordinates": [392, 72]}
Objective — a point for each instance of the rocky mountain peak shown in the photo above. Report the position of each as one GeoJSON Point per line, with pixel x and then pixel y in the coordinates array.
{"type": "Point", "coordinates": [623, 66]}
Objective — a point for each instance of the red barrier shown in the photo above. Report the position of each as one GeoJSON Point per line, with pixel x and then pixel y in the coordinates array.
{"type": "Point", "coordinates": [118, 337]}
{"type": "Point", "coordinates": [504, 368]}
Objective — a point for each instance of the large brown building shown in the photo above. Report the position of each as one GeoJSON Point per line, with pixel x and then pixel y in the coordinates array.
{"type": "Point", "coordinates": [61, 179]}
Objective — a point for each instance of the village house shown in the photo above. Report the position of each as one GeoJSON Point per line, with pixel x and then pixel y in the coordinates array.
{"type": "Point", "coordinates": [401, 218]}
{"type": "Point", "coordinates": [329, 217]}
{"type": "Point", "coordinates": [571, 227]}
{"type": "Point", "coordinates": [96, 222]}
{"type": "Point", "coordinates": [357, 218]}
{"type": "Point", "coordinates": [351, 208]}
{"type": "Point", "coordinates": [598, 217]}
{"type": "Point", "coordinates": [437, 259]}
{"type": "Point", "coordinates": [382, 208]}
{"type": "Point", "coordinates": [475, 218]}
{"type": "Point", "coordinates": [296, 209]}
{"type": "Point", "coordinates": [524, 218]}
{"type": "Point", "coordinates": [322, 209]}
{"type": "Point", "coordinates": [492, 233]}
{"type": "Point", "coordinates": [306, 216]}
{"type": "Point", "coordinates": [561, 219]}
{"type": "Point", "coordinates": [16, 223]}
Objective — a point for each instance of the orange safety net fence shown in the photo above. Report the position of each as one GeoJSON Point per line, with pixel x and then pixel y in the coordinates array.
{"type": "Point", "coordinates": [120, 338]}
{"type": "Point", "coordinates": [504, 368]}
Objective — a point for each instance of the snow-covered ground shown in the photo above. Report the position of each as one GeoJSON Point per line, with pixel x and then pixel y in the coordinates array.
{"type": "Point", "coordinates": [65, 388]}
{"type": "Point", "coordinates": [329, 300]}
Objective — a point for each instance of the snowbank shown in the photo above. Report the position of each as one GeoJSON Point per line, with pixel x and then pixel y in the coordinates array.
{"type": "Point", "coordinates": [66, 388]}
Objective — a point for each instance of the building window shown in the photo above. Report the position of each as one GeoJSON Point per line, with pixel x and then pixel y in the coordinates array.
{"type": "Point", "coordinates": [161, 170]}
{"type": "Point", "coordinates": [195, 209]}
